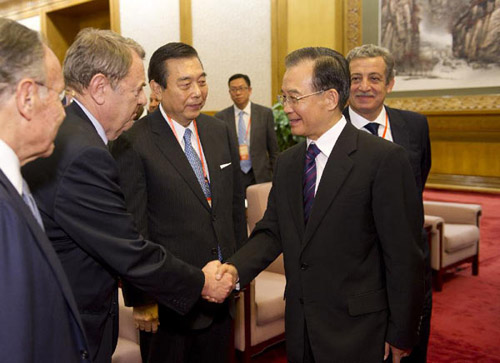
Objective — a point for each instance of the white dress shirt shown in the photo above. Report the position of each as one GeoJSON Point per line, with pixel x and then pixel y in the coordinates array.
{"type": "Point", "coordinates": [10, 166]}
{"type": "Point", "coordinates": [359, 122]}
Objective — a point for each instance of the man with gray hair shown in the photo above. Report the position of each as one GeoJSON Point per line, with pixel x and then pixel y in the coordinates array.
{"type": "Point", "coordinates": [82, 205]}
{"type": "Point", "coordinates": [372, 78]}
{"type": "Point", "coordinates": [38, 314]}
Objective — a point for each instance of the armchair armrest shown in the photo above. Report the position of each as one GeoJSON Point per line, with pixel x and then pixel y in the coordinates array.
{"type": "Point", "coordinates": [459, 213]}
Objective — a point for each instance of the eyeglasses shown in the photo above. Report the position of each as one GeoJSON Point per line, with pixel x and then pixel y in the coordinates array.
{"type": "Point", "coordinates": [295, 100]}
{"type": "Point", "coordinates": [236, 89]}
{"type": "Point", "coordinates": [65, 96]}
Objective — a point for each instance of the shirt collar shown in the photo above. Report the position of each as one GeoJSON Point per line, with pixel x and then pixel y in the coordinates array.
{"type": "Point", "coordinates": [360, 122]}
{"type": "Point", "coordinates": [178, 128]}
{"type": "Point", "coordinates": [326, 142]}
{"type": "Point", "coordinates": [95, 122]}
{"type": "Point", "coordinates": [9, 164]}
{"type": "Point", "coordinates": [246, 110]}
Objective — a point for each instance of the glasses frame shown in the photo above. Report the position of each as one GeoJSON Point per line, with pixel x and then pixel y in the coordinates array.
{"type": "Point", "coordinates": [239, 89]}
{"type": "Point", "coordinates": [282, 99]}
{"type": "Point", "coordinates": [65, 96]}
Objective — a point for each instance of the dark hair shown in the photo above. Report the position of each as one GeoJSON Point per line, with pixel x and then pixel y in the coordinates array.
{"type": "Point", "coordinates": [331, 70]}
{"type": "Point", "coordinates": [157, 70]}
{"type": "Point", "coordinates": [372, 51]}
{"type": "Point", "coordinates": [239, 75]}
{"type": "Point", "coordinates": [22, 55]}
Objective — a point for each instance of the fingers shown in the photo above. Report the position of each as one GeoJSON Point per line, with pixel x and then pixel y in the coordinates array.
{"type": "Point", "coordinates": [218, 283]}
{"type": "Point", "coordinates": [386, 350]}
{"type": "Point", "coordinates": [146, 318]}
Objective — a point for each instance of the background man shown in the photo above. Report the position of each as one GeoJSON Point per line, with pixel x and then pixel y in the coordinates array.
{"type": "Point", "coordinates": [353, 267]}
{"type": "Point", "coordinates": [372, 78]}
{"type": "Point", "coordinates": [38, 314]}
{"type": "Point", "coordinates": [199, 216]}
{"type": "Point", "coordinates": [252, 127]}
{"type": "Point", "coordinates": [81, 202]}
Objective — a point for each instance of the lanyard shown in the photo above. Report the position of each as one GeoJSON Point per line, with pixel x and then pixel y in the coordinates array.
{"type": "Point", "coordinates": [385, 128]}
{"type": "Point", "coordinates": [199, 145]}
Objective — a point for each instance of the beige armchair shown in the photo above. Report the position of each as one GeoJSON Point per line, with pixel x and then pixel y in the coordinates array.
{"type": "Point", "coordinates": [454, 236]}
{"type": "Point", "coordinates": [127, 349]}
{"type": "Point", "coordinates": [260, 309]}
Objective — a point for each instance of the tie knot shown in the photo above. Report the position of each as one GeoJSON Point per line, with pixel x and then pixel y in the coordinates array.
{"type": "Point", "coordinates": [312, 151]}
{"type": "Point", "coordinates": [187, 136]}
{"type": "Point", "coordinates": [372, 127]}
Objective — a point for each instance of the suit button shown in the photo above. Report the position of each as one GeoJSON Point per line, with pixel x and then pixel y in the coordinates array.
{"type": "Point", "coordinates": [304, 266]}
{"type": "Point", "coordinates": [84, 354]}
{"type": "Point", "coordinates": [213, 251]}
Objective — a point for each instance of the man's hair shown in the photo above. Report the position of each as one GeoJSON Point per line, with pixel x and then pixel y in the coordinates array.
{"type": "Point", "coordinates": [22, 55]}
{"type": "Point", "coordinates": [372, 51]}
{"type": "Point", "coordinates": [331, 70]}
{"type": "Point", "coordinates": [96, 51]}
{"type": "Point", "coordinates": [239, 75]}
{"type": "Point", "coordinates": [157, 70]}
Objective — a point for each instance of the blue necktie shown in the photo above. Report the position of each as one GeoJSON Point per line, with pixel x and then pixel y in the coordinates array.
{"type": "Point", "coordinates": [245, 165]}
{"type": "Point", "coordinates": [195, 162]}
{"type": "Point", "coordinates": [372, 127]}
{"type": "Point", "coordinates": [309, 179]}
{"type": "Point", "coordinates": [30, 202]}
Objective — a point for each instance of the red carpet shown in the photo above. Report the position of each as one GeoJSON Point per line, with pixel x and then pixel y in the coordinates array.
{"type": "Point", "coordinates": [466, 314]}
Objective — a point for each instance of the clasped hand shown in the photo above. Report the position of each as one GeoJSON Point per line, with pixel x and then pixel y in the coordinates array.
{"type": "Point", "coordinates": [220, 280]}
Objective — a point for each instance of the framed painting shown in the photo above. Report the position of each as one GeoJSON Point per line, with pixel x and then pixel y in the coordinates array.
{"type": "Point", "coordinates": [447, 52]}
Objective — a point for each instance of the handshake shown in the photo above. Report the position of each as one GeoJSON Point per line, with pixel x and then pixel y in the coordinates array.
{"type": "Point", "coordinates": [220, 280]}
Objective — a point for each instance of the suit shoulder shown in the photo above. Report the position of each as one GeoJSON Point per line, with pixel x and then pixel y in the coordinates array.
{"type": "Point", "coordinates": [214, 121]}
{"type": "Point", "coordinates": [225, 113]}
{"type": "Point", "coordinates": [409, 115]}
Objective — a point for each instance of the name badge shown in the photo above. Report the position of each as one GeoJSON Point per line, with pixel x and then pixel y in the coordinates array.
{"type": "Point", "coordinates": [244, 155]}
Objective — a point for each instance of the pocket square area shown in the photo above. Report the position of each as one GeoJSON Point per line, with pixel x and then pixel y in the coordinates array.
{"type": "Point", "coordinates": [222, 166]}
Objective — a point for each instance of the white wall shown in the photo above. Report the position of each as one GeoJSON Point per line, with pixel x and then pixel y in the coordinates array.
{"type": "Point", "coordinates": [32, 23]}
{"type": "Point", "coordinates": [233, 36]}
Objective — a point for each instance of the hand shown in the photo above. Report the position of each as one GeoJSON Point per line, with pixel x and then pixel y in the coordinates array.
{"type": "Point", "coordinates": [146, 318]}
{"type": "Point", "coordinates": [397, 353]}
{"type": "Point", "coordinates": [216, 290]}
{"type": "Point", "coordinates": [225, 269]}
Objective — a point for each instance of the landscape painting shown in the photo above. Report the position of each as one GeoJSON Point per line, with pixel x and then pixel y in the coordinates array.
{"type": "Point", "coordinates": [442, 44]}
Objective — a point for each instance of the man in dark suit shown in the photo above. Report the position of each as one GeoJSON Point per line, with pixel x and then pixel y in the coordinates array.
{"type": "Point", "coordinates": [82, 205]}
{"type": "Point", "coordinates": [39, 319]}
{"type": "Point", "coordinates": [344, 211]}
{"type": "Point", "coordinates": [372, 78]}
{"type": "Point", "coordinates": [252, 127]}
{"type": "Point", "coordinates": [197, 217]}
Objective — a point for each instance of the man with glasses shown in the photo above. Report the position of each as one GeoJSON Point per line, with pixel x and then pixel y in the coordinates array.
{"type": "Point", "coordinates": [344, 212]}
{"type": "Point", "coordinates": [78, 192]}
{"type": "Point", "coordinates": [38, 315]}
{"type": "Point", "coordinates": [252, 126]}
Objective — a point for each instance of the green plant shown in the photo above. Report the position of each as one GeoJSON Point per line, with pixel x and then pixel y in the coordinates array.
{"type": "Point", "coordinates": [282, 128]}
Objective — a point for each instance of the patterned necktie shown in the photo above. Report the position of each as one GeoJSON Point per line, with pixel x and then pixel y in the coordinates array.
{"type": "Point", "coordinates": [245, 165]}
{"type": "Point", "coordinates": [309, 179]}
{"type": "Point", "coordinates": [195, 162]}
{"type": "Point", "coordinates": [30, 202]}
{"type": "Point", "coordinates": [372, 127]}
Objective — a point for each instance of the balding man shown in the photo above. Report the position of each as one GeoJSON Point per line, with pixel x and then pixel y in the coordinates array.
{"type": "Point", "coordinates": [38, 315]}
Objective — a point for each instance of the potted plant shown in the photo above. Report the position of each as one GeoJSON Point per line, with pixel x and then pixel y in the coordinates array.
{"type": "Point", "coordinates": [282, 128]}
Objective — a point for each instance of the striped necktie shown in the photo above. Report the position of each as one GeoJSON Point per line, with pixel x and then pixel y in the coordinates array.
{"type": "Point", "coordinates": [245, 165]}
{"type": "Point", "coordinates": [309, 179]}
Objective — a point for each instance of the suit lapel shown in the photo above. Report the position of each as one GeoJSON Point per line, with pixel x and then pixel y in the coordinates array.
{"type": "Point", "coordinates": [337, 169]}
{"type": "Point", "coordinates": [254, 117]}
{"type": "Point", "coordinates": [399, 131]}
{"type": "Point", "coordinates": [295, 171]}
{"type": "Point", "coordinates": [167, 143]}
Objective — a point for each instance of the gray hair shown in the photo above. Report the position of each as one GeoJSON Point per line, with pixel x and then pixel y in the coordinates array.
{"type": "Point", "coordinates": [22, 55]}
{"type": "Point", "coordinates": [330, 70]}
{"type": "Point", "coordinates": [98, 51]}
{"type": "Point", "coordinates": [372, 51]}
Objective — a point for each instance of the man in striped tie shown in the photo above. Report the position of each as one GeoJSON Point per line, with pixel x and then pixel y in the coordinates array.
{"type": "Point", "coordinates": [344, 211]}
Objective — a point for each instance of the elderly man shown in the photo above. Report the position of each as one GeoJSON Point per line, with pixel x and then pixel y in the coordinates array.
{"type": "Point", "coordinates": [180, 176]}
{"type": "Point", "coordinates": [353, 267]}
{"type": "Point", "coordinates": [372, 78]}
{"type": "Point", "coordinates": [39, 317]}
{"type": "Point", "coordinates": [83, 208]}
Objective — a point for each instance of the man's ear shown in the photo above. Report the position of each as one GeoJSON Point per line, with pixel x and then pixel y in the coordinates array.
{"type": "Point", "coordinates": [390, 85]}
{"type": "Point", "coordinates": [99, 85]}
{"type": "Point", "coordinates": [155, 88]}
{"type": "Point", "coordinates": [25, 98]}
{"type": "Point", "coordinates": [332, 98]}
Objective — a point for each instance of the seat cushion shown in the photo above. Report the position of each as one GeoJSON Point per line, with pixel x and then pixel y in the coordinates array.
{"type": "Point", "coordinates": [269, 293]}
{"type": "Point", "coordinates": [459, 236]}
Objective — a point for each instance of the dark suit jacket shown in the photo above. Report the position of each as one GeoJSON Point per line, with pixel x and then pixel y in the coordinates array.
{"type": "Point", "coordinates": [355, 272]}
{"type": "Point", "coordinates": [263, 142]}
{"type": "Point", "coordinates": [83, 209]}
{"type": "Point", "coordinates": [38, 314]}
{"type": "Point", "coordinates": [411, 131]}
{"type": "Point", "coordinates": [169, 206]}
